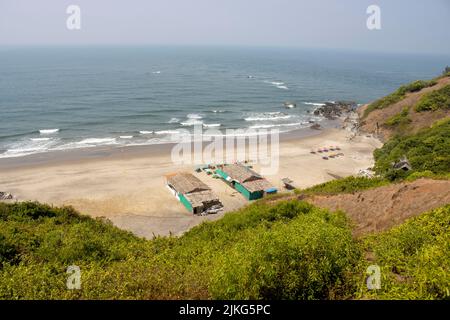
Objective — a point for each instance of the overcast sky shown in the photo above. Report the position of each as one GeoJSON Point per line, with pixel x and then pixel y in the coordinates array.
{"type": "Point", "coordinates": [407, 25]}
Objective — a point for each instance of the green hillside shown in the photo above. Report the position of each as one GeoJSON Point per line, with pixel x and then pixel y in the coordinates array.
{"type": "Point", "coordinates": [427, 151]}
{"type": "Point", "coordinates": [287, 250]}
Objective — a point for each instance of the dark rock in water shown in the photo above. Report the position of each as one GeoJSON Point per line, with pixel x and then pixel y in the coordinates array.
{"type": "Point", "coordinates": [316, 126]}
{"type": "Point", "coordinates": [333, 110]}
{"type": "Point", "coordinates": [5, 196]}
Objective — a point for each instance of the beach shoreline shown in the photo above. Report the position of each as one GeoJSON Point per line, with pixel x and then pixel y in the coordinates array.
{"type": "Point", "coordinates": [111, 152]}
{"type": "Point", "coordinates": [126, 185]}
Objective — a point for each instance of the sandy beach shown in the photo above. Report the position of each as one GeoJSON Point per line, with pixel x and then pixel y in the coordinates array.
{"type": "Point", "coordinates": [127, 186]}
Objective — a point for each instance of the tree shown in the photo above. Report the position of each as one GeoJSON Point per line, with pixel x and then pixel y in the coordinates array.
{"type": "Point", "coordinates": [446, 70]}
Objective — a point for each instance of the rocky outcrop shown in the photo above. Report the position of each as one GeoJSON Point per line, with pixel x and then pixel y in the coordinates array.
{"type": "Point", "coordinates": [335, 110]}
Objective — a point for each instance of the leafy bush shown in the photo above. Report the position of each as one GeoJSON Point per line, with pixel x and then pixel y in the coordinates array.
{"type": "Point", "coordinates": [435, 100]}
{"type": "Point", "coordinates": [399, 119]}
{"type": "Point", "coordinates": [398, 95]}
{"type": "Point", "coordinates": [39, 242]}
{"type": "Point", "coordinates": [446, 71]}
{"type": "Point", "coordinates": [426, 150]}
{"type": "Point", "coordinates": [345, 185]}
{"type": "Point", "coordinates": [283, 262]}
{"type": "Point", "coordinates": [414, 258]}
{"type": "Point", "coordinates": [286, 250]}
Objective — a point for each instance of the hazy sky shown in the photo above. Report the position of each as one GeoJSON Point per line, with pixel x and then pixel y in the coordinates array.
{"type": "Point", "coordinates": [407, 25]}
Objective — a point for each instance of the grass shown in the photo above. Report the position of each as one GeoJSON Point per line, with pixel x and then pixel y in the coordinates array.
{"type": "Point", "coordinates": [435, 100]}
{"type": "Point", "coordinates": [346, 185]}
{"type": "Point", "coordinates": [398, 95]}
{"type": "Point", "coordinates": [427, 150]}
{"type": "Point", "coordinates": [259, 252]}
{"type": "Point", "coordinates": [399, 119]}
{"type": "Point", "coordinates": [287, 250]}
{"type": "Point", "coordinates": [414, 258]}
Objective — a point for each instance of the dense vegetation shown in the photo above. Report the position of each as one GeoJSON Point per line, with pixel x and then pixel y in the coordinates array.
{"type": "Point", "coordinates": [427, 150]}
{"type": "Point", "coordinates": [345, 185]}
{"type": "Point", "coordinates": [399, 119]}
{"type": "Point", "coordinates": [287, 250]}
{"type": "Point", "coordinates": [435, 100]}
{"type": "Point", "coordinates": [398, 95]}
{"type": "Point", "coordinates": [414, 258]}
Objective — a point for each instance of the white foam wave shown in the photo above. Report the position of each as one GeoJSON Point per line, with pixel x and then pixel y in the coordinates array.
{"type": "Point", "coordinates": [126, 137]}
{"type": "Point", "coordinates": [145, 132]}
{"type": "Point", "coordinates": [48, 131]}
{"type": "Point", "coordinates": [314, 104]}
{"type": "Point", "coordinates": [211, 125]}
{"type": "Point", "coordinates": [275, 83]}
{"type": "Point", "coordinates": [174, 120]}
{"type": "Point", "coordinates": [194, 116]}
{"type": "Point", "coordinates": [28, 147]}
{"type": "Point", "coordinates": [267, 126]}
{"type": "Point", "coordinates": [268, 116]}
{"type": "Point", "coordinates": [97, 141]}
{"type": "Point", "coordinates": [191, 122]}
{"type": "Point", "coordinates": [278, 84]}
{"type": "Point", "coordinates": [167, 132]}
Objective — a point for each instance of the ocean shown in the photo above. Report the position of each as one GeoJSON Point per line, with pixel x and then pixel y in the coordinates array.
{"type": "Point", "coordinates": [63, 98]}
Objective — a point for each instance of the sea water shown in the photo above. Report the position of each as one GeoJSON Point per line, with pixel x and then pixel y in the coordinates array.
{"type": "Point", "coordinates": [62, 98]}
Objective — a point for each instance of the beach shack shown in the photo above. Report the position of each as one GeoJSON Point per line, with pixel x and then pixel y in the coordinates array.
{"type": "Point", "coordinates": [196, 196]}
{"type": "Point", "coordinates": [246, 181]}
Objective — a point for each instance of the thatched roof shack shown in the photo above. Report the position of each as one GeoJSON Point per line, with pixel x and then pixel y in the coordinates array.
{"type": "Point", "coordinates": [248, 182]}
{"type": "Point", "coordinates": [186, 183]}
{"type": "Point", "coordinates": [195, 195]}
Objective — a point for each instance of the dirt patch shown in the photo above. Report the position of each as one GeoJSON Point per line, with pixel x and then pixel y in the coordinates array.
{"type": "Point", "coordinates": [384, 207]}
{"type": "Point", "coordinates": [419, 120]}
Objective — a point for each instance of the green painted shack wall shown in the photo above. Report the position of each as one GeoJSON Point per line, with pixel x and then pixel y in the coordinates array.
{"type": "Point", "coordinates": [256, 195]}
{"type": "Point", "coordinates": [242, 190]}
{"type": "Point", "coordinates": [247, 194]}
{"type": "Point", "coordinates": [221, 173]}
{"type": "Point", "coordinates": [185, 202]}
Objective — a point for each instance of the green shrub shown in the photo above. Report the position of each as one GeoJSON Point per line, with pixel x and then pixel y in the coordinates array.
{"type": "Point", "coordinates": [39, 242]}
{"type": "Point", "coordinates": [414, 258]}
{"type": "Point", "coordinates": [312, 257]}
{"type": "Point", "coordinates": [435, 100]}
{"type": "Point", "coordinates": [282, 250]}
{"type": "Point", "coordinates": [345, 185]}
{"type": "Point", "coordinates": [398, 95]}
{"type": "Point", "coordinates": [399, 119]}
{"type": "Point", "coordinates": [427, 150]}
